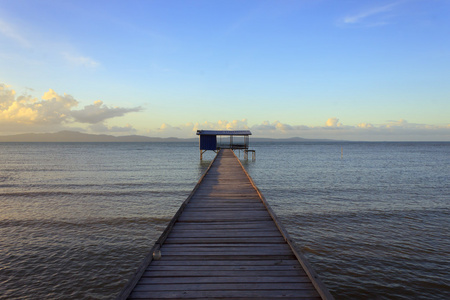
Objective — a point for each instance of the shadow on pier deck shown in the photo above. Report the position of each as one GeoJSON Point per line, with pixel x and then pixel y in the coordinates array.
{"type": "Point", "coordinates": [225, 242]}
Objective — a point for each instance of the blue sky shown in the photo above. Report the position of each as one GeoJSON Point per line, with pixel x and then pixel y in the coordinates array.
{"type": "Point", "coordinates": [357, 70]}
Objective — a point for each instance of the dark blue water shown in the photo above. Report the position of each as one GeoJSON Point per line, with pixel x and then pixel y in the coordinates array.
{"type": "Point", "coordinates": [77, 219]}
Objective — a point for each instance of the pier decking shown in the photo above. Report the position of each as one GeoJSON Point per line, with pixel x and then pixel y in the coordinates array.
{"type": "Point", "coordinates": [225, 242]}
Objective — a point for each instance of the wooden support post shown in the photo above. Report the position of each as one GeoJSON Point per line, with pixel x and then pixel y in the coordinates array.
{"type": "Point", "coordinates": [246, 151]}
{"type": "Point", "coordinates": [201, 154]}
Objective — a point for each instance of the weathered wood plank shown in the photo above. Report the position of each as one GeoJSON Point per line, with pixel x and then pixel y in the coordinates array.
{"type": "Point", "coordinates": [266, 232]}
{"type": "Point", "coordinates": [224, 247]}
{"type": "Point", "coordinates": [225, 286]}
{"type": "Point", "coordinates": [221, 273]}
{"type": "Point", "coordinates": [192, 256]}
{"type": "Point", "coordinates": [224, 252]}
{"type": "Point", "coordinates": [291, 262]}
{"type": "Point", "coordinates": [297, 294]}
{"type": "Point", "coordinates": [229, 225]}
{"type": "Point", "coordinates": [224, 234]}
{"type": "Point", "coordinates": [211, 219]}
{"type": "Point", "coordinates": [218, 279]}
{"type": "Point", "coordinates": [225, 216]}
{"type": "Point", "coordinates": [225, 209]}
{"type": "Point", "coordinates": [235, 230]}
{"type": "Point", "coordinates": [224, 268]}
{"type": "Point", "coordinates": [212, 240]}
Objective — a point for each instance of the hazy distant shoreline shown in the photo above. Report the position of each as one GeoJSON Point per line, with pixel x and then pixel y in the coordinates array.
{"type": "Point", "coordinates": [78, 137]}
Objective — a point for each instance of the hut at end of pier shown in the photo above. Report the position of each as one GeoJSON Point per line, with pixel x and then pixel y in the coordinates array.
{"type": "Point", "coordinates": [215, 140]}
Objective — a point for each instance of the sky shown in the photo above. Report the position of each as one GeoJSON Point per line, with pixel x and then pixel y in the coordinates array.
{"type": "Point", "coordinates": [349, 69]}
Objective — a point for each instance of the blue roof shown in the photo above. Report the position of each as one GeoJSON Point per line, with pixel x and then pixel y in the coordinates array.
{"type": "Point", "coordinates": [224, 132]}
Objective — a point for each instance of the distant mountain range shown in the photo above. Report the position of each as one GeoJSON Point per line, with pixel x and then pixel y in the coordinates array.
{"type": "Point", "coordinates": [78, 137]}
{"type": "Point", "coordinates": [74, 136]}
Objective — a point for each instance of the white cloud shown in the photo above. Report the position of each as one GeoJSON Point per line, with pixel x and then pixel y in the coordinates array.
{"type": "Point", "coordinates": [27, 113]}
{"type": "Point", "coordinates": [333, 123]}
{"type": "Point", "coordinates": [365, 125]}
{"type": "Point", "coordinates": [399, 124]}
{"type": "Point", "coordinates": [223, 125]}
{"type": "Point", "coordinates": [99, 112]}
{"type": "Point", "coordinates": [277, 126]}
{"type": "Point", "coordinates": [52, 109]}
{"type": "Point", "coordinates": [165, 127]}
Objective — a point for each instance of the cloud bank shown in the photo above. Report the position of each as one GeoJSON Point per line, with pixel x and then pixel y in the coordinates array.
{"type": "Point", "coordinates": [54, 111]}
{"type": "Point", "coordinates": [399, 130]}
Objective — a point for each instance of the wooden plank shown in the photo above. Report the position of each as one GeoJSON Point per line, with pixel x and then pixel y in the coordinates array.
{"type": "Point", "coordinates": [225, 286]}
{"type": "Point", "coordinates": [296, 294]}
{"type": "Point", "coordinates": [267, 222]}
{"type": "Point", "coordinates": [212, 219]}
{"type": "Point", "coordinates": [264, 232]}
{"type": "Point", "coordinates": [218, 256]}
{"type": "Point", "coordinates": [225, 215]}
{"type": "Point", "coordinates": [212, 240]}
{"type": "Point", "coordinates": [221, 273]}
{"type": "Point", "coordinates": [207, 234]}
{"type": "Point", "coordinates": [226, 209]}
{"type": "Point", "coordinates": [227, 247]}
{"type": "Point", "coordinates": [225, 225]}
{"type": "Point", "coordinates": [225, 234]}
{"type": "Point", "coordinates": [226, 230]}
{"type": "Point", "coordinates": [229, 199]}
{"type": "Point", "coordinates": [233, 251]}
{"type": "Point", "coordinates": [226, 202]}
{"type": "Point", "coordinates": [237, 190]}
{"type": "Point", "coordinates": [229, 279]}
{"type": "Point", "coordinates": [291, 262]}
{"type": "Point", "coordinates": [245, 249]}
{"type": "Point", "coordinates": [224, 268]}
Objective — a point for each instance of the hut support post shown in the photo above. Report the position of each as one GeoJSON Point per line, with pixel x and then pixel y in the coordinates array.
{"type": "Point", "coordinates": [201, 154]}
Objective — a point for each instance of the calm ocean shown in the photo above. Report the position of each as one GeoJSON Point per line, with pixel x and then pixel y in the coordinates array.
{"type": "Point", "coordinates": [76, 219]}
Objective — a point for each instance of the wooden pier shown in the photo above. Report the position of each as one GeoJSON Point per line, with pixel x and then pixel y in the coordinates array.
{"type": "Point", "coordinates": [225, 242]}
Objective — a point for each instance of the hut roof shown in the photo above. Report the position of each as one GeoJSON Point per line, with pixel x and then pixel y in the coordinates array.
{"type": "Point", "coordinates": [224, 132]}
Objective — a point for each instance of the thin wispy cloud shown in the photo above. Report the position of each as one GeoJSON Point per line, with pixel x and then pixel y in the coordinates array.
{"type": "Point", "coordinates": [363, 16]}
{"type": "Point", "coordinates": [8, 30]}
{"type": "Point", "coordinates": [80, 60]}
{"type": "Point", "coordinates": [14, 34]}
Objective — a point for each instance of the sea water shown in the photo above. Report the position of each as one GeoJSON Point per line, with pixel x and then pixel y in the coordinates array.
{"type": "Point", "coordinates": [76, 219]}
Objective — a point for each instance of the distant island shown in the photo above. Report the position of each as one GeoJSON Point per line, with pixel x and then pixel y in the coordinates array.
{"type": "Point", "coordinates": [79, 137]}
